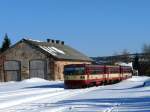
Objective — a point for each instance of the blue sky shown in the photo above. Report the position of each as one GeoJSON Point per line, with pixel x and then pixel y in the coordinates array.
{"type": "Point", "coordinates": [95, 27]}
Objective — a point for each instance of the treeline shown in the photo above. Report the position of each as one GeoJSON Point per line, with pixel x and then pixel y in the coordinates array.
{"type": "Point", "coordinates": [141, 62]}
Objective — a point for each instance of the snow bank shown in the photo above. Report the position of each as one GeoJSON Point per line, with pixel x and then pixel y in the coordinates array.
{"type": "Point", "coordinates": [34, 80]}
{"type": "Point", "coordinates": [5, 83]}
{"type": "Point", "coordinates": [139, 79]}
{"type": "Point", "coordinates": [30, 83]}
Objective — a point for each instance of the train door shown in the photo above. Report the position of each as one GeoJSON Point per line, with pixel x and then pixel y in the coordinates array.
{"type": "Point", "coordinates": [87, 72]}
{"type": "Point", "coordinates": [121, 73]}
{"type": "Point", "coordinates": [105, 73]}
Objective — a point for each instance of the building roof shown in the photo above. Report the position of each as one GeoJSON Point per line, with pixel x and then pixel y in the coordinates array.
{"type": "Point", "coordinates": [58, 50]}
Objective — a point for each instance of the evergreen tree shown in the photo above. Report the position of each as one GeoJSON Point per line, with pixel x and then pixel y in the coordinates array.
{"type": "Point", "coordinates": [6, 43]}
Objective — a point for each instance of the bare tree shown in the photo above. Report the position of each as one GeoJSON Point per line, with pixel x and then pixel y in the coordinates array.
{"type": "Point", "coordinates": [125, 55]}
{"type": "Point", "coordinates": [146, 48]}
{"type": "Point", "coordinates": [146, 51]}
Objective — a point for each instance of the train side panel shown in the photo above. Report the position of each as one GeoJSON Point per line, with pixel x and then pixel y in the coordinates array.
{"type": "Point", "coordinates": [95, 75]}
{"type": "Point", "coordinates": [126, 71]}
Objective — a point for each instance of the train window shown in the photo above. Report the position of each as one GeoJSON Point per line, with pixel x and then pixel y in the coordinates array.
{"type": "Point", "coordinates": [74, 71]}
{"type": "Point", "coordinates": [127, 70]}
{"type": "Point", "coordinates": [96, 71]}
{"type": "Point", "coordinates": [114, 70]}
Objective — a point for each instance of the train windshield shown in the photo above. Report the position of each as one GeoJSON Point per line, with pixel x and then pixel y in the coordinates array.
{"type": "Point", "coordinates": [74, 71]}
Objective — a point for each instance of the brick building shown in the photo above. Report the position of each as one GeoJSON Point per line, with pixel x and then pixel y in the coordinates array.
{"type": "Point", "coordinates": [31, 58]}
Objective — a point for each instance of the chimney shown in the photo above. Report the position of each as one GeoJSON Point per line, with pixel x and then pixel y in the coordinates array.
{"type": "Point", "coordinates": [53, 41]}
{"type": "Point", "coordinates": [57, 41]}
{"type": "Point", "coordinates": [48, 40]}
{"type": "Point", "coordinates": [62, 42]}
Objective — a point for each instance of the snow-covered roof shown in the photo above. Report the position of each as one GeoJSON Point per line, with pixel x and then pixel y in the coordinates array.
{"type": "Point", "coordinates": [52, 50]}
{"type": "Point", "coordinates": [33, 40]}
{"type": "Point", "coordinates": [58, 50]}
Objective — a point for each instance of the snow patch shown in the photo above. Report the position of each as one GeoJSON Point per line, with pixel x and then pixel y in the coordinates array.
{"type": "Point", "coordinates": [60, 51]}
{"type": "Point", "coordinates": [33, 40]}
{"type": "Point", "coordinates": [139, 79]}
{"type": "Point", "coordinates": [35, 80]}
{"type": "Point", "coordinates": [124, 64]}
{"type": "Point", "coordinates": [49, 50]}
{"type": "Point", "coordinates": [52, 50]}
{"type": "Point", "coordinates": [5, 83]}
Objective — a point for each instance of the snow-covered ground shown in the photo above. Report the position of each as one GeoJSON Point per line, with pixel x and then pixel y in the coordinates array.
{"type": "Point", "coordinates": [39, 95]}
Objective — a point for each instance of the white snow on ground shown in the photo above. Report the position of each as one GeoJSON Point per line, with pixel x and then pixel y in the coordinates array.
{"type": "Point", "coordinates": [35, 80]}
{"type": "Point", "coordinates": [39, 95]}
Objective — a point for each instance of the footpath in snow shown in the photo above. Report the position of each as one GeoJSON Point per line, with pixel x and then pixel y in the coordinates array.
{"type": "Point", "coordinates": [39, 95]}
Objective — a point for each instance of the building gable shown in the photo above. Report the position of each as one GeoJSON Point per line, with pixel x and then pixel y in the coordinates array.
{"type": "Point", "coordinates": [23, 50]}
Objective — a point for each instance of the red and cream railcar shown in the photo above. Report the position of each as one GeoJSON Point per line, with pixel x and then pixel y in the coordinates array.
{"type": "Point", "coordinates": [85, 75]}
{"type": "Point", "coordinates": [113, 74]}
{"type": "Point", "coordinates": [126, 72]}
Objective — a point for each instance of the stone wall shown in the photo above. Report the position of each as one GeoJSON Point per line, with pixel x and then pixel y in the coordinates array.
{"type": "Point", "coordinates": [2, 59]}
{"type": "Point", "coordinates": [24, 53]}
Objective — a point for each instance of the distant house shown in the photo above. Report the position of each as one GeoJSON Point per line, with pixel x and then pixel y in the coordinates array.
{"type": "Point", "coordinates": [31, 58]}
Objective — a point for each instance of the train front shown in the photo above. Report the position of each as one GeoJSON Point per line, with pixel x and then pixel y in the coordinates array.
{"type": "Point", "coordinates": [75, 76]}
